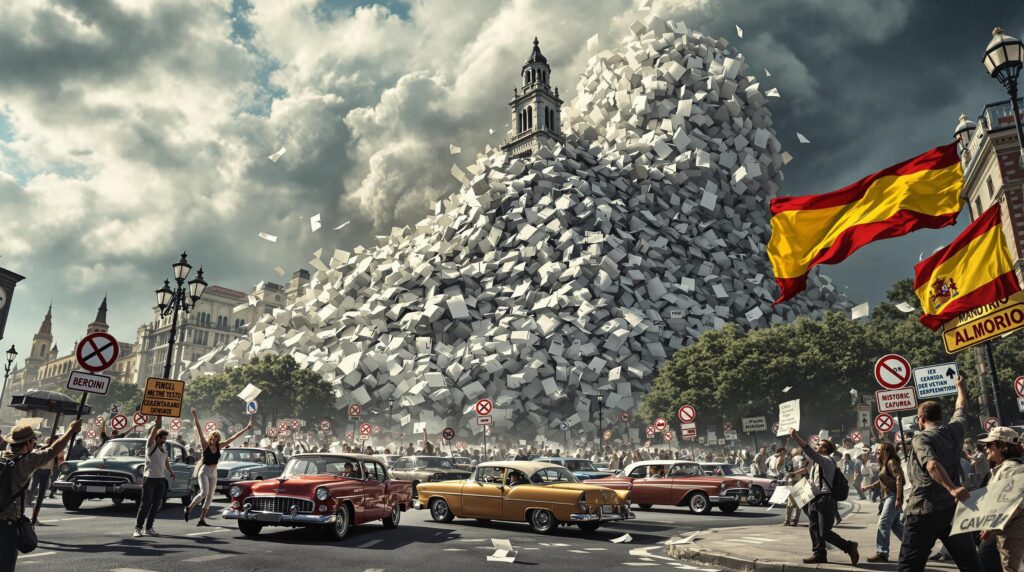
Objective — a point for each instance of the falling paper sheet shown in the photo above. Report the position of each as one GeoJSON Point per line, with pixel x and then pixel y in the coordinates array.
{"type": "Point", "coordinates": [739, 31]}
{"type": "Point", "coordinates": [767, 73]}
{"type": "Point", "coordinates": [859, 311]}
{"type": "Point", "coordinates": [646, 4]}
{"type": "Point", "coordinates": [800, 137]}
{"type": "Point", "coordinates": [622, 539]}
{"type": "Point", "coordinates": [787, 388]}
{"type": "Point", "coordinates": [491, 131]}
{"type": "Point", "coordinates": [773, 92]}
{"type": "Point", "coordinates": [786, 157]}
{"type": "Point", "coordinates": [252, 300]}
{"type": "Point", "coordinates": [453, 149]}
{"type": "Point", "coordinates": [503, 551]}
{"type": "Point", "coordinates": [277, 154]}
{"type": "Point", "coordinates": [905, 307]}
{"type": "Point", "coordinates": [592, 43]}
{"type": "Point", "coordinates": [314, 222]}
{"type": "Point", "coordinates": [342, 225]}
{"type": "Point", "coordinates": [269, 237]}
{"type": "Point", "coordinates": [250, 393]}
{"type": "Point", "coordinates": [279, 270]}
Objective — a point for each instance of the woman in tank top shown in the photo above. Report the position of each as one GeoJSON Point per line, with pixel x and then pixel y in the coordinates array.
{"type": "Point", "coordinates": [207, 469]}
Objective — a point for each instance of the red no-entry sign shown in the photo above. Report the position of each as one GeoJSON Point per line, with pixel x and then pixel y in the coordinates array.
{"type": "Point", "coordinates": [97, 352]}
{"type": "Point", "coordinates": [651, 430]}
{"type": "Point", "coordinates": [892, 371]}
{"type": "Point", "coordinates": [354, 410]}
{"type": "Point", "coordinates": [175, 424]}
{"type": "Point", "coordinates": [884, 422]}
{"type": "Point", "coordinates": [855, 436]}
{"type": "Point", "coordinates": [118, 422]}
{"type": "Point", "coordinates": [326, 425]}
{"type": "Point", "coordinates": [1018, 386]}
{"type": "Point", "coordinates": [365, 429]}
{"type": "Point", "coordinates": [139, 418]}
{"type": "Point", "coordinates": [687, 413]}
{"type": "Point", "coordinates": [660, 424]}
{"type": "Point", "coordinates": [483, 407]}
{"type": "Point", "coordinates": [211, 426]}
{"type": "Point", "coordinates": [990, 423]}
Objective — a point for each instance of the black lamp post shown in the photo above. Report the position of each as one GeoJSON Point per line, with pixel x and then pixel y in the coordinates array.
{"type": "Point", "coordinates": [170, 301]}
{"type": "Point", "coordinates": [391, 404]}
{"type": "Point", "coordinates": [963, 133]}
{"type": "Point", "coordinates": [11, 354]}
{"type": "Point", "coordinates": [1004, 58]}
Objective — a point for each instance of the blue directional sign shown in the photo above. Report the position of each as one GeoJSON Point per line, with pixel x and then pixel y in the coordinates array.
{"type": "Point", "coordinates": [251, 407]}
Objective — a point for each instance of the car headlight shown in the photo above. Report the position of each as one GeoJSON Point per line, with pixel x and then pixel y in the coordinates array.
{"type": "Point", "coordinates": [64, 469]}
{"type": "Point", "coordinates": [235, 491]}
{"type": "Point", "coordinates": [141, 470]}
{"type": "Point", "coordinates": [724, 486]}
{"type": "Point", "coordinates": [322, 494]}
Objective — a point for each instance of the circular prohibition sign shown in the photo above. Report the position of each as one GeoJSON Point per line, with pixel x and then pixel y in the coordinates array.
{"type": "Point", "coordinates": [884, 422]}
{"type": "Point", "coordinates": [97, 351]}
{"type": "Point", "coordinates": [484, 407]}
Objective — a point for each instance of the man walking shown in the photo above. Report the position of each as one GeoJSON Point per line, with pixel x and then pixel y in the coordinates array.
{"type": "Point", "coordinates": [934, 476]}
{"type": "Point", "coordinates": [154, 483]}
{"type": "Point", "coordinates": [22, 441]}
{"type": "Point", "coordinates": [821, 512]}
{"type": "Point", "coordinates": [760, 463]}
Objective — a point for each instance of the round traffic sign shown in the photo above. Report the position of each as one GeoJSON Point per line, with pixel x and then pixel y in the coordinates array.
{"type": "Point", "coordinates": [139, 418]}
{"type": "Point", "coordinates": [97, 351]}
{"type": "Point", "coordinates": [349, 435]}
{"type": "Point", "coordinates": [365, 429]}
{"type": "Point", "coordinates": [727, 426]}
{"type": "Point", "coordinates": [448, 433]}
{"type": "Point", "coordinates": [563, 426]}
{"type": "Point", "coordinates": [354, 410]}
{"type": "Point", "coordinates": [990, 423]}
{"type": "Point", "coordinates": [272, 432]}
{"type": "Point", "coordinates": [892, 371]}
{"type": "Point", "coordinates": [296, 424]}
{"type": "Point", "coordinates": [660, 424]}
{"type": "Point", "coordinates": [687, 413]}
{"type": "Point", "coordinates": [668, 436]}
{"type": "Point", "coordinates": [326, 425]}
{"type": "Point", "coordinates": [91, 434]}
{"type": "Point", "coordinates": [376, 429]}
{"type": "Point", "coordinates": [99, 420]}
{"type": "Point", "coordinates": [884, 422]}
{"type": "Point", "coordinates": [483, 407]}
{"type": "Point", "coordinates": [855, 436]}
{"type": "Point", "coordinates": [175, 424]}
{"type": "Point", "coordinates": [282, 426]}
{"type": "Point", "coordinates": [650, 431]}
{"type": "Point", "coordinates": [211, 426]}
{"type": "Point", "coordinates": [625, 417]}
{"type": "Point", "coordinates": [118, 422]}
{"type": "Point", "coordinates": [1018, 386]}
{"type": "Point", "coordinates": [458, 445]}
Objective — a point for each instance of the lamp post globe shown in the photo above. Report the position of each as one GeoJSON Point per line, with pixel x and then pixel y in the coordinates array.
{"type": "Point", "coordinates": [11, 355]}
{"type": "Point", "coordinates": [962, 133]}
{"type": "Point", "coordinates": [1004, 58]}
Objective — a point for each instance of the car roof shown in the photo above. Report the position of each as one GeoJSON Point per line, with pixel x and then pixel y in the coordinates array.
{"type": "Point", "coordinates": [528, 467]}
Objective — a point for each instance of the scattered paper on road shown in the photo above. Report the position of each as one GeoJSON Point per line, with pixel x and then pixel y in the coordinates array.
{"type": "Point", "coordinates": [681, 540]}
{"type": "Point", "coordinates": [314, 222]}
{"type": "Point", "coordinates": [503, 551]}
{"type": "Point", "coordinates": [277, 154]}
{"type": "Point", "coordinates": [269, 237]}
{"type": "Point", "coordinates": [800, 137]}
{"type": "Point", "coordinates": [622, 539]}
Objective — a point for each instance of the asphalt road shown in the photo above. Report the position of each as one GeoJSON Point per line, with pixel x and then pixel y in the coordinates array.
{"type": "Point", "coordinates": [99, 537]}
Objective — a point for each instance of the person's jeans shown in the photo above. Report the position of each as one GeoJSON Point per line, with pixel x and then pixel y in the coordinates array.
{"type": "Point", "coordinates": [888, 521]}
{"type": "Point", "coordinates": [920, 531]}
{"type": "Point", "coordinates": [8, 545]}
{"type": "Point", "coordinates": [153, 490]}
{"type": "Point", "coordinates": [822, 516]}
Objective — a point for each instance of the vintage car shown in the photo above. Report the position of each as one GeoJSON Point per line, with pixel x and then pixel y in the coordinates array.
{"type": "Point", "coordinates": [544, 495]}
{"type": "Point", "coordinates": [422, 468]}
{"type": "Point", "coordinates": [332, 492]}
{"type": "Point", "coordinates": [115, 472]}
{"type": "Point", "coordinates": [676, 483]}
{"type": "Point", "coordinates": [761, 488]}
{"type": "Point", "coordinates": [583, 469]}
{"type": "Point", "coordinates": [246, 464]}
{"type": "Point", "coordinates": [389, 460]}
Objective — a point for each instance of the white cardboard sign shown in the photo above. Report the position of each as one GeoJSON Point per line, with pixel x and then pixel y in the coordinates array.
{"type": "Point", "coordinates": [936, 380]}
{"type": "Point", "coordinates": [989, 508]}
{"type": "Point", "coordinates": [789, 417]}
{"type": "Point", "coordinates": [802, 493]}
{"type": "Point", "coordinates": [89, 382]}
{"type": "Point", "coordinates": [780, 495]}
{"type": "Point", "coordinates": [896, 400]}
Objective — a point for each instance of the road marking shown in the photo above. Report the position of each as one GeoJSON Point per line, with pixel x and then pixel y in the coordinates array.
{"type": "Point", "coordinates": [371, 543]}
{"type": "Point", "coordinates": [208, 558]}
{"type": "Point", "coordinates": [130, 570]}
{"type": "Point", "coordinates": [76, 518]}
{"type": "Point", "coordinates": [454, 549]}
{"type": "Point", "coordinates": [37, 554]}
{"type": "Point", "coordinates": [208, 531]}
{"type": "Point", "coordinates": [641, 563]}
{"type": "Point", "coordinates": [595, 549]}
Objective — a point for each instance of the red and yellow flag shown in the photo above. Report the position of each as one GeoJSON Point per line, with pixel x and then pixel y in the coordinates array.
{"type": "Point", "coordinates": [922, 192]}
{"type": "Point", "coordinates": [974, 270]}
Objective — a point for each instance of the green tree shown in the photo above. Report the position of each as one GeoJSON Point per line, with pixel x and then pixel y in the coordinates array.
{"type": "Point", "coordinates": [127, 394]}
{"type": "Point", "coordinates": [289, 391]}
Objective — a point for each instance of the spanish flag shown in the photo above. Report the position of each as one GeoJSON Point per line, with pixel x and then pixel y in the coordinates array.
{"type": "Point", "coordinates": [922, 192]}
{"type": "Point", "coordinates": [974, 270]}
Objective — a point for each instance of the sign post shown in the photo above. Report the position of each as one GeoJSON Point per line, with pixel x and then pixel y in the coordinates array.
{"type": "Point", "coordinates": [95, 353]}
{"type": "Point", "coordinates": [483, 409]}
{"type": "Point", "coordinates": [893, 372]}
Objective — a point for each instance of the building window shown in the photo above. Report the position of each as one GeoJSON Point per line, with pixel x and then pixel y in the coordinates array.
{"type": "Point", "coordinates": [991, 190]}
{"type": "Point", "coordinates": [529, 117]}
{"type": "Point", "coordinates": [977, 207]}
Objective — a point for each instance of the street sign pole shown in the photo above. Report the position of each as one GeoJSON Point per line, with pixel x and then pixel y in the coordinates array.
{"type": "Point", "coordinates": [485, 441]}
{"type": "Point", "coordinates": [993, 380]}
{"type": "Point", "coordinates": [903, 435]}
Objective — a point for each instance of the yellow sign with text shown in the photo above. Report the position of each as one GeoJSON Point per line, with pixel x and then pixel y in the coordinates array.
{"type": "Point", "coordinates": [982, 324]}
{"type": "Point", "coordinates": [163, 397]}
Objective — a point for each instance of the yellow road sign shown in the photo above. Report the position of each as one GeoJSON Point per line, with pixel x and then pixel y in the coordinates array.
{"type": "Point", "coordinates": [985, 323]}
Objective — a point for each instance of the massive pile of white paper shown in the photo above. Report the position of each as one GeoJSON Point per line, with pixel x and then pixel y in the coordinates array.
{"type": "Point", "coordinates": [546, 281]}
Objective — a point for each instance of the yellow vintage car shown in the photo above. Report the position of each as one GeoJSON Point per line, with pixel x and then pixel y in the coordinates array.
{"type": "Point", "coordinates": [544, 495]}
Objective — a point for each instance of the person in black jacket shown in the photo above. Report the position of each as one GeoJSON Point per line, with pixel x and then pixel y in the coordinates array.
{"type": "Point", "coordinates": [823, 509]}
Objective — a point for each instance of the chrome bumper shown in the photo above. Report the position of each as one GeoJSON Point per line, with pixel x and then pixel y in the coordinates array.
{"type": "Point", "coordinates": [96, 489]}
{"type": "Point", "coordinates": [588, 517]}
{"type": "Point", "coordinates": [731, 496]}
{"type": "Point", "coordinates": [277, 518]}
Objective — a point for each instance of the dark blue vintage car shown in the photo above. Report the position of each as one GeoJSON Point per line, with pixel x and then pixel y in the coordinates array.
{"type": "Point", "coordinates": [581, 468]}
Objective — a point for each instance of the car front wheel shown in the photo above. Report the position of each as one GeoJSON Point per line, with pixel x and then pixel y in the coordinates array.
{"type": "Point", "coordinates": [71, 500]}
{"type": "Point", "coordinates": [699, 503]}
{"type": "Point", "coordinates": [756, 497]}
{"type": "Point", "coordinates": [250, 529]}
{"type": "Point", "coordinates": [391, 520]}
{"type": "Point", "coordinates": [542, 521]}
{"type": "Point", "coordinates": [339, 529]}
{"type": "Point", "coordinates": [440, 511]}
{"type": "Point", "coordinates": [729, 508]}
{"type": "Point", "coordinates": [643, 506]}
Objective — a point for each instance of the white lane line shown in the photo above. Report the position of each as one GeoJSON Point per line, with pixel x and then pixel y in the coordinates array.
{"type": "Point", "coordinates": [130, 570]}
{"type": "Point", "coordinates": [208, 531]}
{"type": "Point", "coordinates": [37, 554]}
{"type": "Point", "coordinates": [75, 518]}
{"type": "Point", "coordinates": [371, 543]}
{"type": "Point", "coordinates": [748, 541]}
{"type": "Point", "coordinates": [595, 549]}
{"type": "Point", "coordinates": [454, 549]}
{"type": "Point", "coordinates": [641, 564]}
{"type": "Point", "coordinates": [208, 558]}
{"type": "Point", "coordinates": [471, 539]}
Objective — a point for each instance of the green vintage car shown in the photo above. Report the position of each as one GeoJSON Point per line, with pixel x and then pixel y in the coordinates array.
{"type": "Point", "coordinates": [116, 473]}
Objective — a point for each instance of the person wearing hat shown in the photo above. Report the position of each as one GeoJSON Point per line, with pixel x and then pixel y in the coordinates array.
{"type": "Point", "coordinates": [21, 441]}
{"type": "Point", "coordinates": [1003, 452]}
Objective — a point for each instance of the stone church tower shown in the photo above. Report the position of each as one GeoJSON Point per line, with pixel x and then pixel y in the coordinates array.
{"type": "Point", "coordinates": [536, 110]}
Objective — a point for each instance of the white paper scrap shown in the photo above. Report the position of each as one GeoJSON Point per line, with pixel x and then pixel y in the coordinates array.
{"type": "Point", "coordinates": [681, 540]}
{"type": "Point", "coordinates": [250, 393]}
{"type": "Point", "coordinates": [622, 539]}
{"type": "Point", "coordinates": [773, 92]}
{"type": "Point", "coordinates": [800, 137]}
{"type": "Point", "coordinates": [592, 43]}
{"type": "Point", "coordinates": [787, 388]}
{"type": "Point", "coordinates": [314, 222]}
{"type": "Point", "coordinates": [859, 311]}
{"type": "Point", "coordinates": [342, 225]}
{"type": "Point", "coordinates": [280, 271]}
{"type": "Point", "coordinates": [905, 307]}
{"type": "Point", "coordinates": [646, 4]}
{"type": "Point", "coordinates": [767, 73]}
{"type": "Point", "coordinates": [454, 149]}
{"type": "Point", "coordinates": [269, 237]}
{"type": "Point", "coordinates": [739, 31]}
{"type": "Point", "coordinates": [503, 551]}
{"type": "Point", "coordinates": [779, 496]}
{"type": "Point", "coordinates": [277, 154]}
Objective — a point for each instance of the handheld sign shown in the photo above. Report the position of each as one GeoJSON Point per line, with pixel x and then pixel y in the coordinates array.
{"type": "Point", "coordinates": [789, 417]}
{"type": "Point", "coordinates": [96, 352]}
{"type": "Point", "coordinates": [989, 508]}
{"type": "Point", "coordinates": [687, 413]}
{"type": "Point", "coordinates": [896, 400]}
{"type": "Point", "coordinates": [936, 380]}
{"type": "Point", "coordinates": [892, 371]}
{"type": "Point", "coordinates": [163, 397]}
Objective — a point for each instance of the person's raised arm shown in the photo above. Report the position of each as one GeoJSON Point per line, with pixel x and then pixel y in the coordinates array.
{"type": "Point", "coordinates": [152, 435]}
{"type": "Point", "coordinates": [198, 428]}
{"type": "Point", "coordinates": [961, 393]}
{"type": "Point", "coordinates": [237, 435]}
{"type": "Point", "coordinates": [66, 438]}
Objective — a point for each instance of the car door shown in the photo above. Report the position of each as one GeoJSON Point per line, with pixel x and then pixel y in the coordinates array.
{"type": "Point", "coordinates": [182, 471]}
{"type": "Point", "coordinates": [373, 491]}
{"type": "Point", "coordinates": [274, 466]}
{"type": "Point", "coordinates": [483, 496]}
{"type": "Point", "coordinates": [685, 477]}
{"type": "Point", "coordinates": [648, 490]}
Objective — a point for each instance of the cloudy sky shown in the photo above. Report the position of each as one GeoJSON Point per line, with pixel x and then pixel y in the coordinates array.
{"type": "Point", "coordinates": [132, 130]}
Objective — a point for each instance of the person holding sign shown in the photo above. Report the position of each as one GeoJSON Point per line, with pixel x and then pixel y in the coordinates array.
{"type": "Point", "coordinates": [154, 483]}
{"type": "Point", "coordinates": [1004, 453]}
{"type": "Point", "coordinates": [207, 469]}
{"type": "Point", "coordinates": [823, 509]}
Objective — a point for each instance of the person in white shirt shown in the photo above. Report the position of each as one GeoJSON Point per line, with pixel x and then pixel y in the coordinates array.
{"type": "Point", "coordinates": [154, 484]}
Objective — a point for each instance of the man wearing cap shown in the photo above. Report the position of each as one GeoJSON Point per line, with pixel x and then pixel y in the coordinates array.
{"type": "Point", "coordinates": [823, 510]}
{"type": "Point", "coordinates": [1003, 452]}
{"type": "Point", "coordinates": [22, 441]}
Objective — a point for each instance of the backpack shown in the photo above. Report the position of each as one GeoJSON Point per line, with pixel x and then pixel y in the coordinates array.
{"type": "Point", "coordinates": [840, 486]}
{"type": "Point", "coordinates": [6, 476]}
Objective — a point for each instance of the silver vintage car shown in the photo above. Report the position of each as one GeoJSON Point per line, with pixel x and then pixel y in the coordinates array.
{"type": "Point", "coordinates": [247, 464]}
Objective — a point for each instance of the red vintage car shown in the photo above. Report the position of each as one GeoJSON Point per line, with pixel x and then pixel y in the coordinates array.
{"type": "Point", "coordinates": [761, 488]}
{"type": "Point", "coordinates": [676, 483]}
{"type": "Point", "coordinates": [319, 490]}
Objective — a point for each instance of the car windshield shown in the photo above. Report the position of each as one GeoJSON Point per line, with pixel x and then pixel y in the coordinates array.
{"type": "Point", "coordinates": [433, 463]}
{"type": "Point", "coordinates": [549, 475]}
{"type": "Point", "coordinates": [730, 470]}
{"type": "Point", "coordinates": [579, 465]}
{"type": "Point", "coordinates": [119, 448]}
{"type": "Point", "coordinates": [322, 465]}
{"type": "Point", "coordinates": [245, 456]}
{"type": "Point", "coordinates": [722, 470]}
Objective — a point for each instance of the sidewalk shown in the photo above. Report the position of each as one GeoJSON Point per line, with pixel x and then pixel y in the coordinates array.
{"type": "Point", "coordinates": [776, 548]}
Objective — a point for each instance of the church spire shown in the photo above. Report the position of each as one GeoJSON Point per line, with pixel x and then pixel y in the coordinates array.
{"type": "Point", "coordinates": [536, 109]}
{"type": "Point", "coordinates": [47, 326]}
{"type": "Point", "coordinates": [100, 323]}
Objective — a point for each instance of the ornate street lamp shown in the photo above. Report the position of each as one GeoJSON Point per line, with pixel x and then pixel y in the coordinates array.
{"type": "Point", "coordinates": [1004, 58]}
{"type": "Point", "coordinates": [963, 133]}
{"type": "Point", "coordinates": [11, 354]}
{"type": "Point", "coordinates": [391, 403]}
{"type": "Point", "coordinates": [179, 298]}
